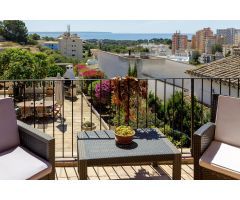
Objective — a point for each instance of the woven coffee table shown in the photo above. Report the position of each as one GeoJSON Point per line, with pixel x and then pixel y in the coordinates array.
{"type": "Point", "coordinates": [98, 148]}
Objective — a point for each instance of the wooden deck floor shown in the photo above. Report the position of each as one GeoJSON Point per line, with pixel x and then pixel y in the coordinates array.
{"type": "Point", "coordinates": [142, 172]}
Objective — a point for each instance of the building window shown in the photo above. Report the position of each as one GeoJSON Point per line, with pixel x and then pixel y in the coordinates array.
{"type": "Point", "coordinates": [73, 54]}
{"type": "Point", "coordinates": [73, 41]}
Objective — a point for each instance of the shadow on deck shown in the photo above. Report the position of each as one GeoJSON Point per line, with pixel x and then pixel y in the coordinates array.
{"type": "Point", "coordinates": [142, 172]}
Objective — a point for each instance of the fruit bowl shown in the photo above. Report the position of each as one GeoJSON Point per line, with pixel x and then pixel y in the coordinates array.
{"type": "Point", "coordinates": [124, 134]}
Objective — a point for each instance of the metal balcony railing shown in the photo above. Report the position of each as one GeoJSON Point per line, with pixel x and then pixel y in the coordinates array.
{"type": "Point", "coordinates": [62, 108]}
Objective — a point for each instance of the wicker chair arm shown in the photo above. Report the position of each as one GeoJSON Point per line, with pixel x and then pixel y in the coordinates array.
{"type": "Point", "coordinates": [204, 136]}
{"type": "Point", "coordinates": [201, 140]}
{"type": "Point", "coordinates": [37, 142]}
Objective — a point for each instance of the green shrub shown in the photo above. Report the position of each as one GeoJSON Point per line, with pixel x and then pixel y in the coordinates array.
{"type": "Point", "coordinates": [178, 138]}
{"type": "Point", "coordinates": [91, 88]}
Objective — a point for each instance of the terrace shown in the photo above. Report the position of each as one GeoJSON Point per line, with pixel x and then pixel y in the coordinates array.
{"type": "Point", "coordinates": [80, 105]}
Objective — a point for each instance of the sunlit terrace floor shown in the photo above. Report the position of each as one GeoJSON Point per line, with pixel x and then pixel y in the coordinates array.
{"type": "Point", "coordinates": [65, 133]}
{"type": "Point", "coordinates": [142, 172]}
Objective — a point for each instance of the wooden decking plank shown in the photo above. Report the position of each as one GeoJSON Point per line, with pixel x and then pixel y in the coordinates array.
{"type": "Point", "coordinates": [147, 172]}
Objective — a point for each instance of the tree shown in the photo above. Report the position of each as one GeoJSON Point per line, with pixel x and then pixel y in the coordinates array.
{"type": "Point", "coordinates": [17, 64]}
{"type": "Point", "coordinates": [32, 39]}
{"type": "Point", "coordinates": [48, 38]}
{"type": "Point", "coordinates": [194, 58]}
{"type": "Point", "coordinates": [134, 72]}
{"type": "Point", "coordinates": [22, 64]}
{"type": "Point", "coordinates": [129, 70]}
{"type": "Point", "coordinates": [228, 53]}
{"type": "Point", "coordinates": [178, 111]}
{"type": "Point", "coordinates": [217, 48]}
{"type": "Point", "coordinates": [53, 70]}
{"type": "Point", "coordinates": [14, 30]}
{"type": "Point", "coordinates": [35, 36]}
{"type": "Point", "coordinates": [89, 53]}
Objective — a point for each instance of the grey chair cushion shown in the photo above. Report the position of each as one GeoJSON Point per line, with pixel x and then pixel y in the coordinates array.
{"type": "Point", "coordinates": [9, 136]}
{"type": "Point", "coordinates": [20, 164]}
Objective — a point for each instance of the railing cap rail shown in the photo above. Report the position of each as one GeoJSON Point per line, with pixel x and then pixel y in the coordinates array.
{"type": "Point", "coordinates": [157, 79]}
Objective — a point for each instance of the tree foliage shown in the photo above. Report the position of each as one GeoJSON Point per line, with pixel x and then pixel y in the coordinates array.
{"type": "Point", "coordinates": [32, 39]}
{"type": "Point", "coordinates": [178, 113]}
{"type": "Point", "coordinates": [34, 36]}
{"type": "Point", "coordinates": [57, 57]}
{"type": "Point", "coordinates": [14, 30]}
{"type": "Point", "coordinates": [22, 64]}
{"type": "Point", "coordinates": [217, 48]}
{"type": "Point", "coordinates": [194, 58]}
{"type": "Point", "coordinates": [132, 71]}
{"type": "Point", "coordinates": [53, 70]}
{"type": "Point", "coordinates": [122, 46]}
{"type": "Point", "coordinates": [48, 38]}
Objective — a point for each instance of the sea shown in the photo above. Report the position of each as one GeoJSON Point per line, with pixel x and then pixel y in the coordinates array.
{"type": "Point", "coordinates": [112, 36]}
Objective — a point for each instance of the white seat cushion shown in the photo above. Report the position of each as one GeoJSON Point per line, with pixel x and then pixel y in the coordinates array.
{"type": "Point", "coordinates": [228, 120]}
{"type": "Point", "coordinates": [19, 164]}
{"type": "Point", "coordinates": [222, 158]}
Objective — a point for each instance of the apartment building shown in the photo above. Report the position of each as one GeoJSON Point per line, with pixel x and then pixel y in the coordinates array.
{"type": "Point", "coordinates": [193, 42]}
{"type": "Point", "coordinates": [202, 38]}
{"type": "Point", "coordinates": [237, 39]}
{"type": "Point", "coordinates": [229, 35]}
{"type": "Point", "coordinates": [70, 45]}
{"type": "Point", "coordinates": [179, 43]}
{"type": "Point", "coordinates": [209, 43]}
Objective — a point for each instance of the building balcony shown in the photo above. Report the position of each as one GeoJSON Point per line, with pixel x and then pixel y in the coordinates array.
{"type": "Point", "coordinates": [175, 106]}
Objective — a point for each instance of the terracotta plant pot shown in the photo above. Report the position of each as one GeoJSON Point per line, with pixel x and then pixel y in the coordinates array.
{"type": "Point", "coordinates": [123, 139]}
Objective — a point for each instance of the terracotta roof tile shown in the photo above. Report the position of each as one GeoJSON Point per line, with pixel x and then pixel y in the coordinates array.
{"type": "Point", "coordinates": [228, 67]}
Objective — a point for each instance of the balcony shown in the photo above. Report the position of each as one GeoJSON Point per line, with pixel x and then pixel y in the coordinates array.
{"type": "Point", "coordinates": [177, 106]}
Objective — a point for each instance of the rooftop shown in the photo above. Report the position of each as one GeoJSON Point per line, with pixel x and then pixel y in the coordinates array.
{"type": "Point", "coordinates": [51, 42]}
{"type": "Point", "coordinates": [225, 67]}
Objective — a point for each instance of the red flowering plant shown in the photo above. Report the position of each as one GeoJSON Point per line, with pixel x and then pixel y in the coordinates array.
{"type": "Point", "coordinates": [127, 94]}
{"type": "Point", "coordinates": [81, 69]}
{"type": "Point", "coordinates": [91, 74]}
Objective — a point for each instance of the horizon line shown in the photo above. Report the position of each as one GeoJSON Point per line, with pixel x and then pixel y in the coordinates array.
{"type": "Point", "coordinates": [106, 32]}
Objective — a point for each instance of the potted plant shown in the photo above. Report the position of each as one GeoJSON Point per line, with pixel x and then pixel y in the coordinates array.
{"type": "Point", "coordinates": [49, 91]}
{"type": "Point", "coordinates": [124, 134]}
{"type": "Point", "coordinates": [127, 93]}
{"type": "Point", "coordinates": [88, 126]}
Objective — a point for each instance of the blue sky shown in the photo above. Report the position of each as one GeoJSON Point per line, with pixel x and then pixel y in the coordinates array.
{"type": "Point", "coordinates": [129, 26]}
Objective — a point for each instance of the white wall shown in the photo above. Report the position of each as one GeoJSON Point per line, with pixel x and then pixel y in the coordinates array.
{"type": "Point", "coordinates": [164, 68]}
{"type": "Point", "coordinates": [112, 64]}
{"type": "Point", "coordinates": [161, 91]}
{"type": "Point", "coordinates": [115, 65]}
{"type": "Point", "coordinates": [206, 94]}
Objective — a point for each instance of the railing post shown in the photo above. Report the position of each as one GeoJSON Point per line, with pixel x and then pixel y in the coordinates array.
{"type": "Point", "coordinates": [192, 113]}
